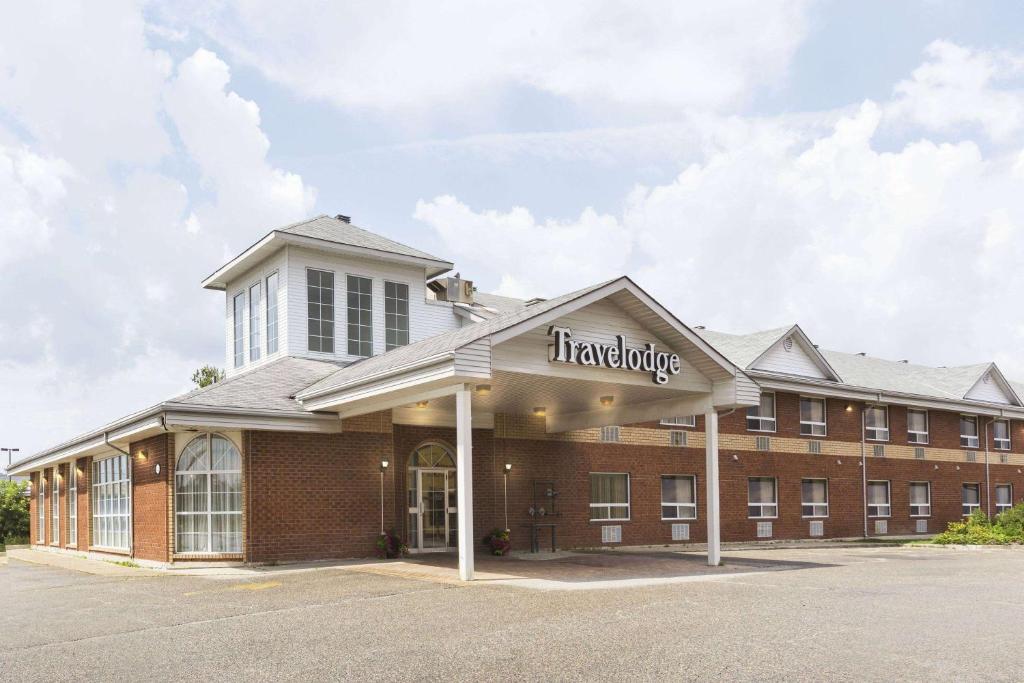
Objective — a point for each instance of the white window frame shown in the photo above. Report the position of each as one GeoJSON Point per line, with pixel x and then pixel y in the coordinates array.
{"type": "Point", "coordinates": [320, 320]}
{"type": "Point", "coordinates": [967, 440]}
{"type": "Point", "coordinates": [882, 510]}
{"type": "Point", "coordinates": [1001, 444]}
{"type": "Point", "coordinates": [813, 425]}
{"type": "Point", "coordinates": [876, 433]}
{"type": "Point", "coordinates": [55, 507]}
{"type": "Point", "coordinates": [104, 492]}
{"type": "Point", "coordinates": [1003, 507]}
{"type": "Point", "coordinates": [72, 496]}
{"type": "Point", "coordinates": [273, 338]}
{"type": "Point", "coordinates": [966, 509]}
{"type": "Point", "coordinates": [348, 318]}
{"type": "Point", "coordinates": [255, 325]}
{"type": "Point", "coordinates": [677, 438]}
{"type": "Point", "coordinates": [919, 512]}
{"type": "Point", "coordinates": [764, 424]}
{"type": "Point", "coordinates": [816, 513]}
{"type": "Point", "coordinates": [209, 512]}
{"type": "Point", "coordinates": [611, 434]}
{"type": "Point", "coordinates": [238, 313]}
{"type": "Point", "coordinates": [682, 421]}
{"type": "Point", "coordinates": [915, 437]}
{"type": "Point", "coordinates": [407, 316]}
{"type": "Point", "coordinates": [609, 506]}
{"type": "Point", "coordinates": [763, 506]}
{"type": "Point", "coordinates": [691, 508]}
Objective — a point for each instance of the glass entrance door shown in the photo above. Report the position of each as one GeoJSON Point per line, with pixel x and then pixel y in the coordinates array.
{"type": "Point", "coordinates": [435, 512]}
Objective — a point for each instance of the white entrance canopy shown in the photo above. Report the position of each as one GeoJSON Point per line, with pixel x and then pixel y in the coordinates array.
{"type": "Point", "coordinates": [606, 355]}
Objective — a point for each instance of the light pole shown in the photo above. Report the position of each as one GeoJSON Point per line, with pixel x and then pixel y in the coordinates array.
{"type": "Point", "coordinates": [10, 457]}
{"type": "Point", "coordinates": [508, 468]}
{"type": "Point", "coordinates": [383, 468]}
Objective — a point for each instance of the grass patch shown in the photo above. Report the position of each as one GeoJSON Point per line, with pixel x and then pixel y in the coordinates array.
{"type": "Point", "coordinates": [124, 563]}
{"type": "Point", "coordinates": [1006, 528]}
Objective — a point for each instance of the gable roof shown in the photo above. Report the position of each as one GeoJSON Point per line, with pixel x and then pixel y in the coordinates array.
{"type": "Point", "coordinates": [748, 350]}
{"type": "Point", "coordinates": [333, 234]}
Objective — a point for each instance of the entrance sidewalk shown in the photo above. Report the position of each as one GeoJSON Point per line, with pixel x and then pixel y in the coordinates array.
{"type": "Point", "coordinates": [78, 563]}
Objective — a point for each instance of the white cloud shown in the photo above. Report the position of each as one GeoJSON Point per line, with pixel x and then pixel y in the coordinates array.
{"type": "Point", "coordinates": [459, 52]}
{"type": "Point", "coordinates": [30, 188]}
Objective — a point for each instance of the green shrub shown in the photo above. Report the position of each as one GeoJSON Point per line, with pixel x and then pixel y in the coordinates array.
{"type": "Point", "coordinates": [13, 511]}
{"type": "Point", "coordinates": [978, 529]}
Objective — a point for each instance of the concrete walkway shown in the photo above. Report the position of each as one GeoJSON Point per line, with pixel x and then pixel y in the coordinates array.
{"type": "Point", "coordinates": [78, 563]}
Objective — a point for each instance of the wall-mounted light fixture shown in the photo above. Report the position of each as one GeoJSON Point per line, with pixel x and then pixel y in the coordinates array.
{"type": "Point", "coordinates": [384, 465]}
{"type": "Point", "coordinates": [508, 467]}
{"type": "Point", "coordinates": [157, 468]}
{"type": "Point", "coordinates": [607, 400]}
{"type": "Point", "coordinates": [142, 455]}
{"type": "Point", "coordinates": [483, 389]}
{"type": "Point", "coordinates": [849, 408]}
{"type": "Point", "coordinates": [540, 411]}
{"type": "Point", "coordinates": [839, 462]}
{"type": "Point", "coordinates": [422, 404]}
{"type": "Point", "coordinates": [735, 457]}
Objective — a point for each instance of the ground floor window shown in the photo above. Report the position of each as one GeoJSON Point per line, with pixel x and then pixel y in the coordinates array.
{"type": "Point", "coordinates": [762, 498]}
{"type": "Point", "coordinates": [609, 496]}
{"type": "Point", "coordinates": [41, 509]}
{"type": "Point", "coordinates": [208, 497]}
{"type": "Point", "coordinates": [72, 503]}
{"type": "Point", "coordinates": [814, 497]}
{"type": "Point", "coordinates": [920, 499]}
{"type": "Point", "coordinates": [55, 509]}
{"type": "Point", "coordinates": [970, 498]}
{"type": "Point", "coordinates": [878, 499]}
{"type": "Point", "coordinates": [1004, 497]}
{"type": "Point", "coordinates": [111, 503]}
{"type": "Point", "coordinates": [678, 497]}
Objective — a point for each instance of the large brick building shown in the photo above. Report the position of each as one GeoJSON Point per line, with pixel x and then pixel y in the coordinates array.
{"type": "Point", "coordinates": [366, 391]}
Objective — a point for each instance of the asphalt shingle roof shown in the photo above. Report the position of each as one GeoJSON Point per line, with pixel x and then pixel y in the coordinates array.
{"type": "Point", "coordinates": [331, 229]}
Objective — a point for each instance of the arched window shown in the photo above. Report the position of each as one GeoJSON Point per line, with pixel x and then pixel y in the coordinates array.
{"type": "Point", "coordinates": [208, 497]}
{"type": "Point", "coordinates": [431, 455]}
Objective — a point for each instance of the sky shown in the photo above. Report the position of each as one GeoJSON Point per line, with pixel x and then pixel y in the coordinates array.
{"type": "Point", "coordinates": [854, 167]}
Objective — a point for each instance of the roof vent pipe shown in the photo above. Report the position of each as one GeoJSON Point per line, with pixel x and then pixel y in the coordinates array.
{"type": "Point", "coordinates": [862, 354]}
{"type": "Point", "coordinates": [344, 219]}
{"type": "Point", "coordinates": [904, 361]}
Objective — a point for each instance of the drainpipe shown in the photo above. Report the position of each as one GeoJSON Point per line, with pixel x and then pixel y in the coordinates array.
{"type": "Point", "coordinates": [988, 481]}
{"type": "Point", "coordinates": [110, 445]}
{"type": "Point", "coordinates": [864, 462]}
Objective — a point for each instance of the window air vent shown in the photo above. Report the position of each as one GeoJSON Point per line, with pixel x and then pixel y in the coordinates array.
{"type": "Point", "coordinates": [970, 456]}
{"type": "Point", "coordinates": [611, 534]}
{"type": "Point", "coordinates": [1004, 458]}
{"type": "Point", "coordinates": [610, 434]}
{"type": "Point", "coordinates": [764, 443]}
{"type": "Point", "coordinates": [814, 447]}
{"type": "Point", "coordinates": [817, 528]}
{"type": "Point", "coordinates": [879, 450]}
{"type": "Point", "coordinates": [677, 437]}
{"type": "Point", "coordinates": [680, 532]}
{"type": "Point", "coordinates": [881, 526]}
{"type": "Point", "coordinates": [764, 529]}
{"type": "Point", "coordinates": [919, 453]}
{"type": "Point", "coordinates": [922, 526]}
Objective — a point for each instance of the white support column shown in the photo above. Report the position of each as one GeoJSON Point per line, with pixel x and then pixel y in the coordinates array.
{"type": "Point", "coordinates": [714, 522]}
{"type": "Point", "coordinates": [464, 477]}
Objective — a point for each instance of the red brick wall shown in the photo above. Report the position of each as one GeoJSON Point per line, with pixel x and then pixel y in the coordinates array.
{"type": "Point", "coordinates": [149, 497]}
{"type": "Point", "coordinates": [314, 496]}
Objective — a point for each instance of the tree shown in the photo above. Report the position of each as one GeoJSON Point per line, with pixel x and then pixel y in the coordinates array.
{"type": "Point", "coordinates": [207, 375]}
{"type": "Point", "coordinates": [13, 511]}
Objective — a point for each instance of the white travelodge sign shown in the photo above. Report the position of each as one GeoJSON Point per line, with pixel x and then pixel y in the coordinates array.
{"type": "Point", "coordinates": [660, 364]}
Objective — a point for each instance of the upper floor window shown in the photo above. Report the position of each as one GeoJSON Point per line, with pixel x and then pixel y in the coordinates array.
{"type": "Point", "coordinates": [255, 300]}
{"type": "Point", "coordinates": [320, 309]}
{"type": "Point", "coordinates": [876, 423]}
{"type": "Point", "coordinates": [762, 418]}
{"type": "Point", "coordinates": [917, 426]}
{"type": "Point", "coordinates": [396, 315]}
{"type": "Point", "coordinates": [968, 431]}
{"type": "Point", "coordinates": [687, 421]}
{"type": "Point", "coordinates": [238, 325]}
{"type": "Point", "coordinates": [272, 313]}
{"type": "Point", "coordinates": [360, 316]}
{"type": "Point", "coordinates": [812, 416]}
{"type": "Point", "coordinates": [1001, 435]}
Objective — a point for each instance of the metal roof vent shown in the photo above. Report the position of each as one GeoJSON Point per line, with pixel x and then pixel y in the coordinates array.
{"type": "Point", "coordinates": [787, 343]}
{"type": "Point", "coordinates": [344, 219]}
{"type": "Point", "coordinates": [699, 327]}
{"type": "Point", "coordinates": [904, 361]}
{"type": "Point", "coordinates": [534, 300]}
{"type": "Point", "coordinates": [861, 354]}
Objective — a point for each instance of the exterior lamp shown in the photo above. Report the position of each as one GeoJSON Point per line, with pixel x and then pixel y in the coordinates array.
{"type": "Point", "coordinates": [422, 404]}
{"type": "Point", "coordinates": [540, 411]}
{"type": "Point", "coordinates": [383, 468]}
{"type": "Point", "coordinates": [483, 389]}
{"type": "Point", "coordinates": [508, 467]}
{"type": "Point", "coordinates": [849, 408]}
{"type": "Point", "coordinates": [384, 465]}
{"type": "Point", "coordinates": [142, 455]}
{"type": "Point", "coordinates": [607, 400]}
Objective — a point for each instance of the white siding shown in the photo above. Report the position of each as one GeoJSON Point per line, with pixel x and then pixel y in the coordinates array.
{"type": "Point", "coordinates": [599, 322]}
{"type": "Point", "coordinates": [988, 391]}
{"type": "Point", "coordinates": [426, 318]}
{"type": "Point", "coordinates": [278, 262]}
{"type": "Point", "coordinates": [795, 361]}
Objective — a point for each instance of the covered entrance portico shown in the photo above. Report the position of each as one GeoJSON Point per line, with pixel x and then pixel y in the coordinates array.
{"type": "Point", "coordinates": [607, 356]}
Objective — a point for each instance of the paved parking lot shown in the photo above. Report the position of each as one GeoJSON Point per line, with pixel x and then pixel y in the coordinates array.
{"type": "Point", "coordinates": [808, 614]}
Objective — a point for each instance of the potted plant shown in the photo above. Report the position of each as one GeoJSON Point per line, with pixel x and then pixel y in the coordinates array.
{"type": "Point", "coordinates": [497, 541]}
{"type": "Point", "coordinates": [389, 545]}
